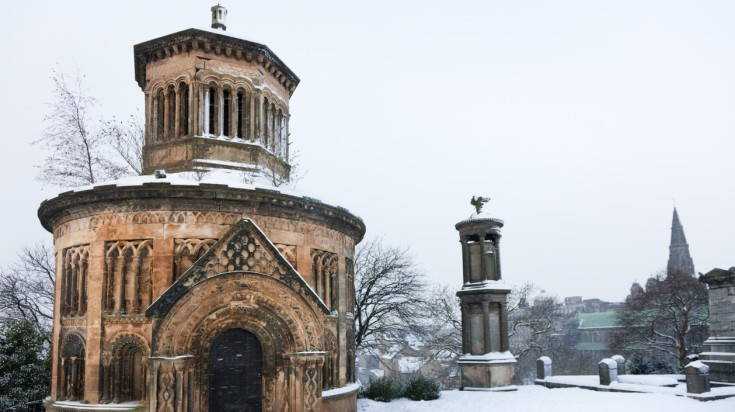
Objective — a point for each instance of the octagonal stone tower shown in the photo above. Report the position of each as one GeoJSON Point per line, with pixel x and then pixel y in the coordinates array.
{"type": "Point", "coordinates": [486, 361]}
{"type": "Point", "coordinates": [181, 292]}
{"type": "Point", "coordinates": [214, 101]}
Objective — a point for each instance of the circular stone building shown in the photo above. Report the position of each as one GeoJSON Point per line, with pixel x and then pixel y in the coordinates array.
{"type": "Point", "coordinates": [182, 293]}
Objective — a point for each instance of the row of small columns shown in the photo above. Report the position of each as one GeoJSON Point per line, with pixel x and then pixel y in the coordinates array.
{"type": "Point", "coordinates": [112, 380]}
{"type": "Point", "coordinates": [70, 388]}
{"type": "Point", "coordinates": [494, 243]}
{"type": "Point", "coordinates": [74, 287]}
{"type": "Point", "coordinates": [260, 120]}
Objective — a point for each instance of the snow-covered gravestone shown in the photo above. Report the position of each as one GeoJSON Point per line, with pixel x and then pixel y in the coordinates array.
{"type": "Point", "coordinates": [486, 361]}
{"type": "Point", "coordinates": [608, 370]}
{"type": "Point", "coordinates": [621, 364]}
{"type": "Point", "coordinates": [697, 374]}
{"type": "Point", "coordinates": [543, 367]}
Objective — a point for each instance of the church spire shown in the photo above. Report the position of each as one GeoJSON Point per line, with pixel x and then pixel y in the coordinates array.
{"type": "Point", "coordinates": [679, 257]}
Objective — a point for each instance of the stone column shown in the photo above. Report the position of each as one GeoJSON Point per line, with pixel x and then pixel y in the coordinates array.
{"type": "Point", "coordinates": [504, 340]}
{"type": "Point", "coordinates": [486, 326]}
{"type": "Point", "coordinates": [74, 387]}
{"type": "Point", "coordinates": [191, 110]}
{"type": "Point", "coordinates": [466, 345]}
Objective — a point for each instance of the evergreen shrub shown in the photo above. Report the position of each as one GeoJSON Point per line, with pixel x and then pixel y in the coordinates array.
{"type": "Point", "coordinates": [648, 365]}
{"type": "Point", "coordinates": [421, 388]}
{"type": "Point", "coordinates": [383, 390]}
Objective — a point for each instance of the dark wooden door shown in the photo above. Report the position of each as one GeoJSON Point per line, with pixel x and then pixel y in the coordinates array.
{"type": "Point", "coordinates": [235, 369]}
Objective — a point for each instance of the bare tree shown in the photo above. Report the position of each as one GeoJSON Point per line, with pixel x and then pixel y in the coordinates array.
{"type": "Point", "coordinates": [77, 151]}
{"type": "Point", "coordinates": [126, 138]}
{"type": "Point", "coordinates": [668, 318]}
{"type": "Point", "coordinates": [390, 292]}
{"type": "Point", "coordinates": [442, 323]}
{"type": "Point", "coordinates": [27, 286]}
{"type": "Point", "coordinates": [530, 327]}
{"type": "Point", "coordinates": [542, 329]}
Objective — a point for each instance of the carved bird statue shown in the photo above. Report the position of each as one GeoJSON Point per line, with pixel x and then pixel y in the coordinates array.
{"type": "Point", "coordinates": [479, 202]}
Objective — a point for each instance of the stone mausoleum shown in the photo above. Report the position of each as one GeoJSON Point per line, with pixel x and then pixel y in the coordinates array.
{"type": "Point", "coordinates": [179, 292]}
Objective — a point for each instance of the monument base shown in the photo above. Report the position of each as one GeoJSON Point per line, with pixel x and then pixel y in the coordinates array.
{"type": "Point", "coordinates": [719, 355]}
{"type": "Point", "coordinates": [489, 371]}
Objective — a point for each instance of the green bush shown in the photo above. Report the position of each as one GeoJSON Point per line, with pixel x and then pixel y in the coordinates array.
{"type": "Point", "coordinates": [383, 390]}
{"type": "Point", "coordinates": [647, 365]}
{"type": "Point", "coordinates": [421, 388]}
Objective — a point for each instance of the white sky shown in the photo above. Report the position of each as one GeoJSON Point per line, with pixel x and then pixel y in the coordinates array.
{"type": "Point", "coordinates": [581, 119]}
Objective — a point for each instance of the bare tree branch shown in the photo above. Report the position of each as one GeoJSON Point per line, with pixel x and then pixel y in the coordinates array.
{"type": "Point", "coordinates": [77, 151]}
{"type": "Point", "coordinates": [126, 138]}
{"type": "Point", "coordinates": [27, 286]}
{"type": "Point", "coordinates": [390, 294]}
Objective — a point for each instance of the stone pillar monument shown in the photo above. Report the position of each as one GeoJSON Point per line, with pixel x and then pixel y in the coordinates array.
{"type": "Point", "coordinates": [719, 348]}
{"type": "Point", "coordinates": [486, 361]}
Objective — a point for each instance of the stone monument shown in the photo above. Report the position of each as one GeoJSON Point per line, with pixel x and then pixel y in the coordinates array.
{"type": "Point", "coordinates": [185, 290]}
{"type": "Point", "coordinates": [486, 361]}
{"type": "Point", "coordinates": [719, 348]}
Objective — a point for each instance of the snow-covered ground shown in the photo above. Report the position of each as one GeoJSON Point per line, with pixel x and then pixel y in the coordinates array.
{"type": "Point", "coordinates": [538, 398]}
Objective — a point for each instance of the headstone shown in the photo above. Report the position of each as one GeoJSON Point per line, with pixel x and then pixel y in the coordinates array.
{"type": "Point", "coordinates": [608, 370]}
{"type": "Point", "coordinates": [543, 367]}
{"type": "Point", "coordinates": [697, 374]}
{"type": "Point", "coordinates": [621, 364]}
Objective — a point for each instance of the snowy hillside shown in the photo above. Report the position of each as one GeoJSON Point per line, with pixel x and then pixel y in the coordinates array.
{"type": "Point", "coordinates": [537, 398]}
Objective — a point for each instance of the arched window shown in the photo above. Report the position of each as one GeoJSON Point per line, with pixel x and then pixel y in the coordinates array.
{"type": "Point", "coordinates": [74, 281]}
{"type": "Point", "coordinates": [188, 251]}
{"type": "Point", "coordinates": [159, 115]}
{"type": "Point", "coordinates": [226, 107]}
{"type": "Point", "coordinates": [324, 272]}
{"type": "Point", "coordinates": [240, 115]}
{"type": "Point", "coordinates": [272, 128]}
{"type": "Point", "coordinates": [71, 368]}
{"type": "Point", "coordinates": [210, 110]}
{"type": "Point", "coordinates": [266, 125]}
{"type": "Point", "coordinates": [123, 375]}
{"type": "Point", "coordinates": [171, 112]}
{"type": "Point", "coordinates": [183, 109]}
{"type": "Point", "coordinates": [128, 267]}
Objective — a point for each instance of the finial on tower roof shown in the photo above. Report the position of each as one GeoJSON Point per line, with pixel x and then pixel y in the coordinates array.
{"type": "Point", "coordinates": [219, 17]}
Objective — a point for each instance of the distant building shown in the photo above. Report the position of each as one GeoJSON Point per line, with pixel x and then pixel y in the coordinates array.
{"type": "Point", "coordinates": [679, 257]}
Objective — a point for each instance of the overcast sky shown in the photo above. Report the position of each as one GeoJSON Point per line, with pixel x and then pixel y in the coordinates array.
{"type": "Point", "coordinates": [583, 120]}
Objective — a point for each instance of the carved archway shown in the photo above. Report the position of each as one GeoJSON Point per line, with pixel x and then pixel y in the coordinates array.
{"type": "Point", "coordinates": [279, 317]}
{"type": "Point", "coordinates": [72, 362]}
{"type": "Point", "coordinates": [124, 370]}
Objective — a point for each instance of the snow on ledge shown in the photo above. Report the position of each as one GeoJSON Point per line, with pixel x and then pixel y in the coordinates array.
{"type": "Point", "coordinates": [231, 178]}
{"type": "Point", "coordinates": [486, 285]}
{"type": "Point", "coordinates": [490, 357]}
{"type": "Point", "coordinates": [349, 388]}
{"type": "Point", "coordinates": [76, 405]}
